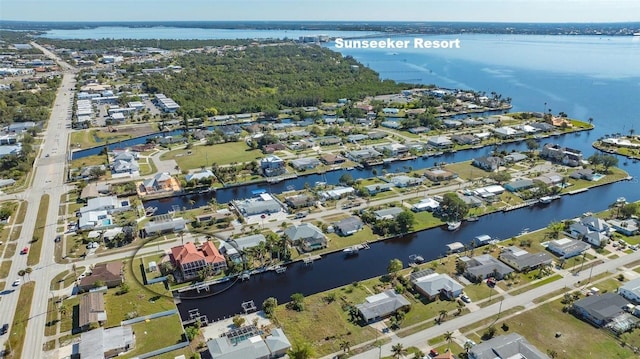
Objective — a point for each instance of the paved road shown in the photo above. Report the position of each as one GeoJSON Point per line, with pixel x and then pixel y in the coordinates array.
{"type": "Point", "coordinates": [525, 299]}
{"type": "Point", "coordinates": [49, 169]}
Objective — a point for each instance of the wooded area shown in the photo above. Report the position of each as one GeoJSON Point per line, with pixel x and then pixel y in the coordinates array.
{"type": "Point", "coordinates": [267, 79]}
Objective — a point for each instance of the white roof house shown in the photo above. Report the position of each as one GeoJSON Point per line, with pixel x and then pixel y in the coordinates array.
{"type": "Point", "coordinates": [567, 248]}
{"type": "Point", "coordinates": [631, 290]}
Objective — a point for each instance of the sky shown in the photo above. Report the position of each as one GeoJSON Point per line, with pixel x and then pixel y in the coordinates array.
{"type": "Point", "coordinates": [323, 10]}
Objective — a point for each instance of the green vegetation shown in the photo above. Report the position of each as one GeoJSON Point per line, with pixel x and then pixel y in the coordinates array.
{"type": "Point", "coordinates": [221, 154]}
{"type": "Point", "coordinates": [18, 328]}
{"type": "Point", "coordinates": [17, 105]}
{"type": "Point", "coordinates": [38, 234]}
{"type": "Point", "coordinates": [266, 79]}
{"type": "Point", "coordinates": [156, 334]}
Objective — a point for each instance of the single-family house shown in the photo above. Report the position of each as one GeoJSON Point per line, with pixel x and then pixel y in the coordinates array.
{"type": "Point", "coordinates": [465, 139]}
{"type": "Point", "coordinates": [600, 309]}
{"type": "Point", "coordinates": [378, 187]}
{"type": "Point", "coordinates": [550, 179]}
{"type": "Point", "coordinates": [109, 274]}
{"type": "Point", "coordinates": [431, 285]}
{"type": "Point", "coordinates": [367, 154]}
{"type": "Point", "coordinates": [303, 164]}
{"type": "Point", "coordinates": [272, 166]}
{"type": "Point", "coordinates": [110, 204]}
{"type": "Point", "coordinates": [230, 247]}
{"type": "Point", "coordinates": [567, 248]}
{"type": "Point", "coordinates": [565, 155]}
{"type": "Point", "coordinates": [189, 260]}
{"type": "Point", "coordinates": [273, 147]}
{"type": "Point", "coordinates": [164, 224]}
{"type": "Point", "coordinates": [106, 343]}
{"type": "Point", "coordinates": [403, 181]}
{"type": "Point", "coordinates": [331, 159]}
{"type": "Point", "coordinates": [200, 175]}
{"type": "Point", "coordinates": [505, 132]}
{"type": "Point", "coordinates": [523, 261]}
{"type": "Point", "coordinates": [631, 290]}
{"type": "Point", "coordinates": [336, 193]}
{"type": "Point", "coordinates": [484, 266]}
{"type": "Point", "coordinates": [307, 236]}
{"type": "Point", "coordinates": [583, 173]}
{"type": "Point", "coordinates": [262, 204]}
{"type": "Point", "coordinates": [628, 227]}
{"type": "Point", "coordinates": [426, 204]}
{"type": "Point", "coordinates": [382, 305]}
{"type": "Point", "coordinates": [419, 130]}
{"type": "Point", "coordinates": [510, 346]}
{"type": "Point", "coordinates": [348, 226]}
{"type": "Point", "coordinates": [439, 142]}
{"type": "Point", "coordinates": [300, 201]}
{"type": "Point", "coordinates": [158, 183]}
{"type": "Point", "coordinates": [514, 157]}
{"type": "Point", "coordinates": [488, 163]}
{"type": "Point", "coordinates": [388, 213]}
{"type": "Point", "coordinates": [247, 343]}
{"type": "Point", "coordinates": [91, 309]}
{"type": "Point", "coordinates": [519, 185]}
{"type": "Point", "coordinates": [438, 175]}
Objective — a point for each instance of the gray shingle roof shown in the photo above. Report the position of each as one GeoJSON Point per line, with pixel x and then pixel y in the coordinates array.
{"type": "Point", "coordinates": [506, 347]}
{"type": "Point", "coordinates": [382, 305]}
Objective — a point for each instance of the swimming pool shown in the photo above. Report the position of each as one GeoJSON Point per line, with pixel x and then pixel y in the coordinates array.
{"type": "Point", "coordinates": [597, 177]}
{"type": "Point", "coordinates": [106, 222]}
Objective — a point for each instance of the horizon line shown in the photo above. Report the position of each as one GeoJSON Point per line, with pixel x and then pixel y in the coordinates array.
{"type": "Point", "coordinates": [321, 21]}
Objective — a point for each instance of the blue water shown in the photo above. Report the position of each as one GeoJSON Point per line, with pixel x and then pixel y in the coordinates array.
{"type": "Point", "coordinates": [584, 76]}
{"type": "Point", "coordinates": [181, 33]}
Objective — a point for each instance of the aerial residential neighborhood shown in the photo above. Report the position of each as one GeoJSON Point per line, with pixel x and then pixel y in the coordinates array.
{"type": "Point", "coordinates": [275, 197]}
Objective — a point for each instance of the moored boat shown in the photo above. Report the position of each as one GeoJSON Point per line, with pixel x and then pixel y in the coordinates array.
{"type": "Point", "coordinates": [452, 226]}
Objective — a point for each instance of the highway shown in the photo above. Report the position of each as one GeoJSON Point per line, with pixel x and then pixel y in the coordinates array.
{"type": "Point", "coordinates": [49, 169]}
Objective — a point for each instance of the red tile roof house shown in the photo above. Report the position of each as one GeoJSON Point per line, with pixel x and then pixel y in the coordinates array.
{"type": "Point", "coordinates": [190, 260]}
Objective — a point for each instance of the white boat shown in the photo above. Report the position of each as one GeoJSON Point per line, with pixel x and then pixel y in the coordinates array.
{"type": "Point", "coordinates": [352, 251]}
{"type": "Point", "coordinates": [280, 269]}
{"type": "Point", "coordinates": [546, 199]}
{"type": "Point", "coordinates": [452, 226]}
{"type": "Point", "coordinates": [621, 200]}
{"type": "Point", "coordinates": [472, 219]}
{"type": "Point", "coordinates": [416, 258]}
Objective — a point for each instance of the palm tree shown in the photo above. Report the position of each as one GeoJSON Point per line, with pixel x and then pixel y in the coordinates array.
{"type": "Point", "coordinates": [21, 273]}
{"type": "Point", "coordinates": [448, 336]}
{"type": "Point", "coordinates": [443, 314]}
{"type": "Point", "coordinates": [300, 351]}
{"type": "Point", "coordinates": [398, 350]}
{"type": "Point", "coordinates": [62, 309]}
{"type": "Point", "coordinates": [467, 346]}
{"type": "Point", "coordinates": [345, 346]}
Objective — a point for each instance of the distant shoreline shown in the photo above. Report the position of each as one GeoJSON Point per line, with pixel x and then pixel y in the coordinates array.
{"type": "Point", "coordinates": [388, 27]}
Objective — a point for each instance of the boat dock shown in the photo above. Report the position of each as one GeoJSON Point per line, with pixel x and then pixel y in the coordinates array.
{"type": "Point", "coordinates": [520, 205]}
{"type": "Point", "coordinates": [578, 191]}
{"type": "Point", "coordinates": [310, 259]}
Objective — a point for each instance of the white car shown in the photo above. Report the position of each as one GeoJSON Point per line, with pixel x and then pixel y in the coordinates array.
{"type": "Point", "coordinates": [17, 282]}
{"type": "Point", "coordinates": [465, 298]}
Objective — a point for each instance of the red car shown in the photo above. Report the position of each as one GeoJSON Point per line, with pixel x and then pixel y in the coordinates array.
{"type": "Point", "coordinates": [24, 250]}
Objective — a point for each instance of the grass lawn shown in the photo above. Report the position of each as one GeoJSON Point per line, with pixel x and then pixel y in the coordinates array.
{"type": "Point", "coordinates": [221, 154]}
{"type": "Point", "coordinates": [615, 174]}
{"type": "Point", "coordinates": [480, 291]}
{"type": "Point", "coordinates": [425, 220]}
{"type": "Point", "coordinates": [87, 138]}
{"type": "Point", "coordinates": [50, 327]}
{"type": "Point", "coordinates": [573, 342]}
{"type": "Point", "coordinates": [337, 242]}
{"type": "Point", "coordinates": [22, 212]}
{"type": "Point", "coordinates": [18, 328]}
{"type": "Point", "coordinates": [142, 300]}
{"type": "Point", "coordinates": [4, 269]}
{"type": "Point", "coordinates": [10, 250]}
{"type": "Point", "coordinates": [88, 161]}
{"type": "Point", "coordinates": [537, 284]}
{"type": "Point", "coordinates": [466, 171]}
{"type": "Point", "coordinates": [70, 321]}
{"type": "Point", "coordinates": [156, 334]}
{"type": "Point", "coordinates": [38, 234]}
{"type": "Point", "coordinates": [324, 325]}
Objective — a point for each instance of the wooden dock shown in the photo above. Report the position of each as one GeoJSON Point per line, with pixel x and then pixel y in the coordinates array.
{"type": "Point", "coordinates": [310, 259]}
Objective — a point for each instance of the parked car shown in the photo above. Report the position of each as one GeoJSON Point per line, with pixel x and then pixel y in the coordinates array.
{"type": "Point", "coordinates": [433, 353]}
{"type": "Point", "coordinates": [4, 329]}
{"type": "Point", "coordinates": [24, 250]}
{"type": "Point", "coordinates": [465, 298]}
{"type": "Point", "coordinates": [17, 282]}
